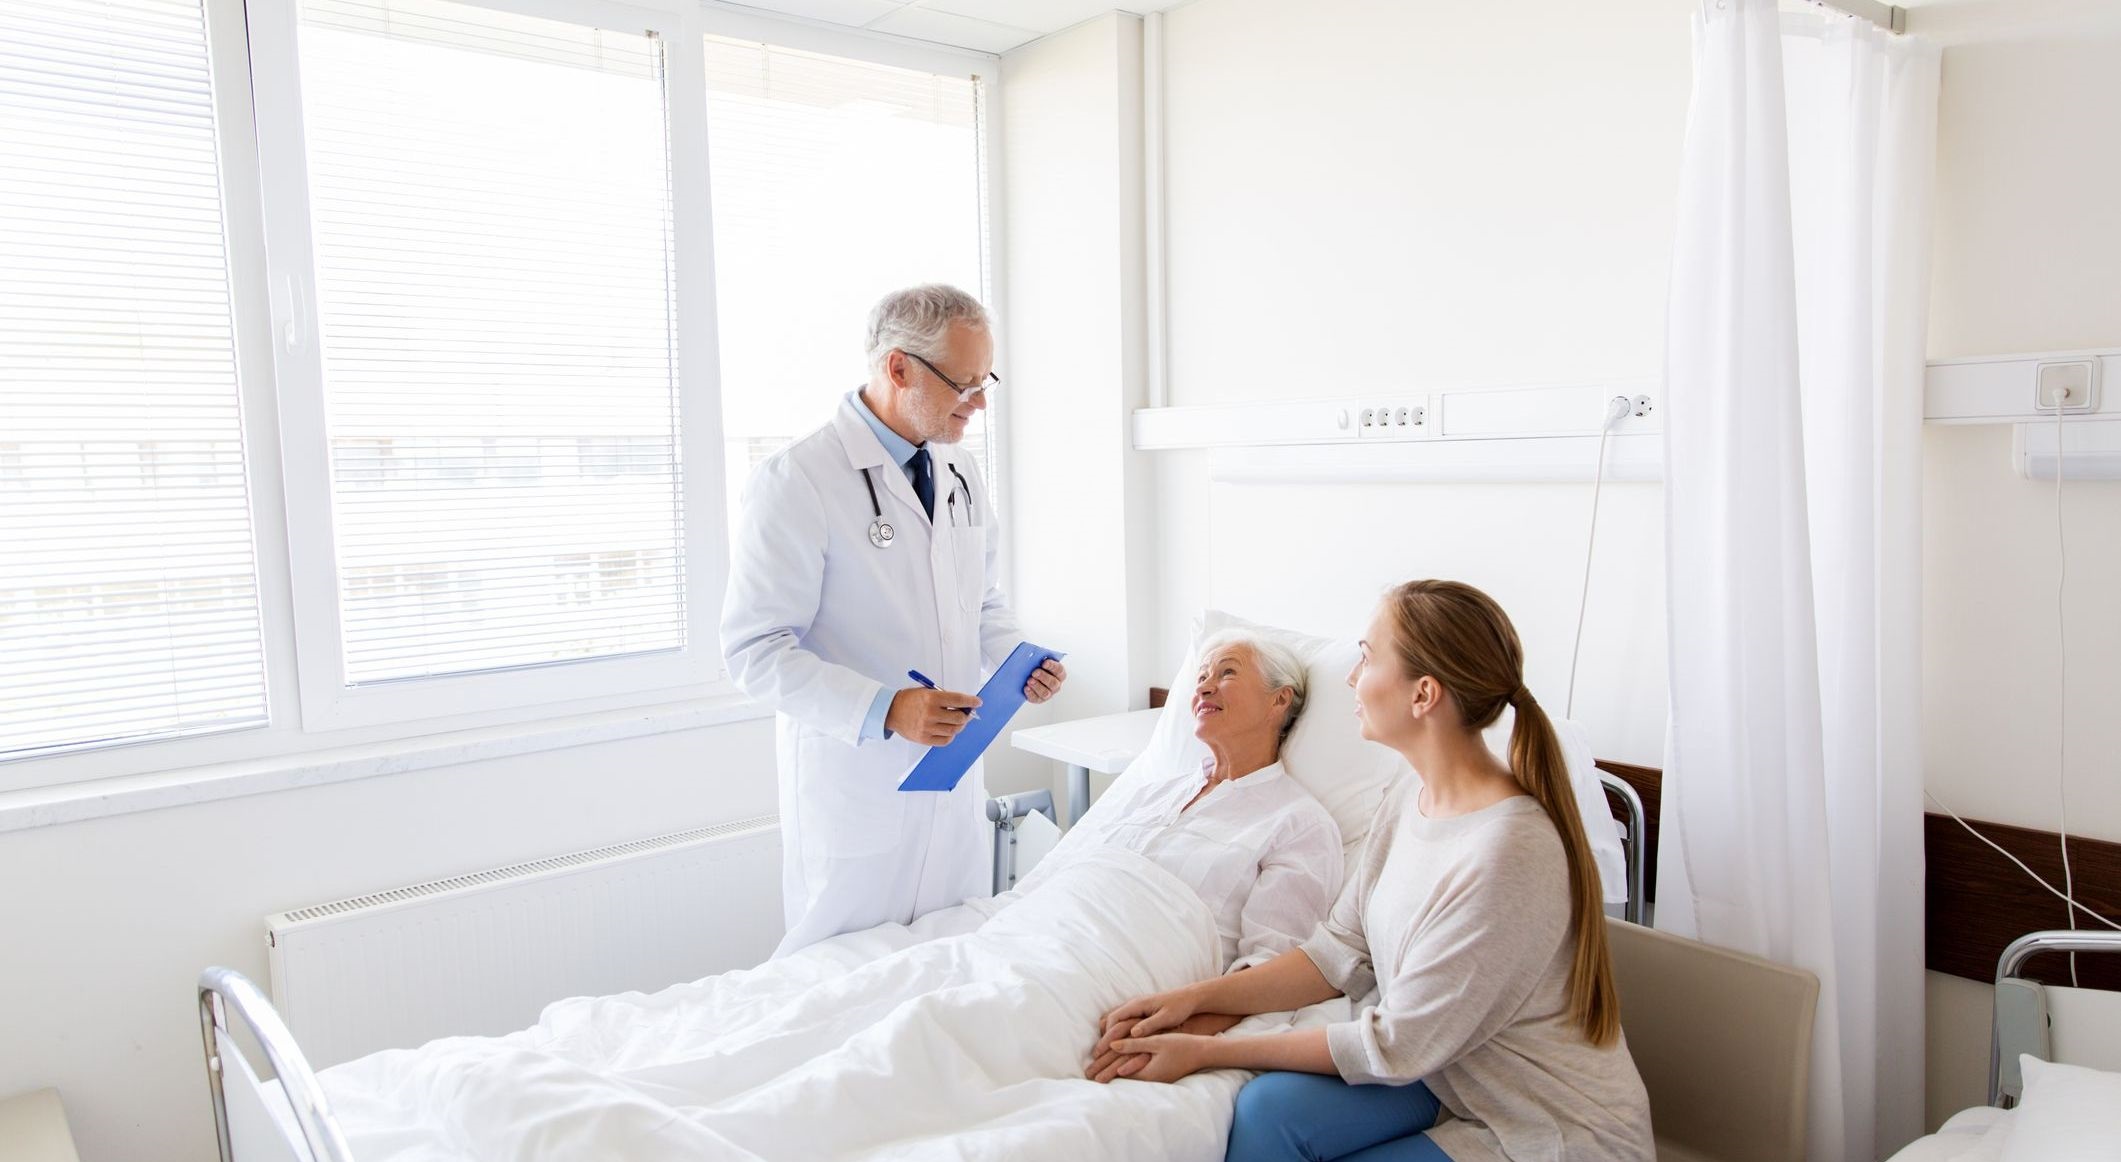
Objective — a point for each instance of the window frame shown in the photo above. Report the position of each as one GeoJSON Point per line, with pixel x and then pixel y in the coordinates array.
{"type": "Point", "coordinates": [328, 701]}
{"type": "Point", "coordinates": [255, 77]}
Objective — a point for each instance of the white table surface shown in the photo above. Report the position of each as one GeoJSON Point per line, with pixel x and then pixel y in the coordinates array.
{"type": "Point", "coordinates": [33, 1129]}
{"type": "Point", "coordinates": [1105, 744]}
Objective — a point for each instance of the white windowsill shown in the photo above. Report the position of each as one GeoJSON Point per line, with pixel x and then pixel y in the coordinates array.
{"type": "Point", "coordinates": [73, 803]}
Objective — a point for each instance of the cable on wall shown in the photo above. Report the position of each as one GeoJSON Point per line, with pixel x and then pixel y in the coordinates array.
{"type": "Point", "coordinates": [1616, 410]}
{"type": "Point", "coordinates": [2069, 882]}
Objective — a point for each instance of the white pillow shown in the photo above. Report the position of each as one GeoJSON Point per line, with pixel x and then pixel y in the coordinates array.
{"type": "Point", "coordinates": [2069, 1114]}
{"type": "Point", "coordinates": [1326, 753]}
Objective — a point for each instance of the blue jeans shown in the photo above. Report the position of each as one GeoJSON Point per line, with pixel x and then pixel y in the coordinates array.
{"type": "Point", "coordinates": [1311, 1117]}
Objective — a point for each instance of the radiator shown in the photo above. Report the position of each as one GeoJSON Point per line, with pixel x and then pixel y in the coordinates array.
{"type": "Point", "coordinates": [485, 953]}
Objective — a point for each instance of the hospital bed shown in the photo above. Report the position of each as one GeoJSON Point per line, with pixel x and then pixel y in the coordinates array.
{"type": "Point", "coordinates": [288, 1117]}
{"type": "Point", "coordinates": [285, 1117]}
{"type": "Point", "coordinates": [2051, 1024]}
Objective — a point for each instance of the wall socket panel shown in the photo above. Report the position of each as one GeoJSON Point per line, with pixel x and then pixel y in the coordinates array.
{"type": "Point", "coordinates": [2076, 381]}
{"type": "Point", "coordinates": [1398, 421]}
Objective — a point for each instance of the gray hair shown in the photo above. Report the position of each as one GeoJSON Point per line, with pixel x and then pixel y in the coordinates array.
{"type": "Point", "coordinates": [917, 319]}
{"type": "Point", "coordinates": [1278, 667]}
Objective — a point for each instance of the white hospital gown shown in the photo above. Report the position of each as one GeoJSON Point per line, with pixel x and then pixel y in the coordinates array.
{"type": "Point", "coordinates": [1263, 854]}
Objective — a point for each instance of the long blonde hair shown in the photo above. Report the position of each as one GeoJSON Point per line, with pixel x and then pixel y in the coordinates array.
{"type": "Point", "coordinates": [1459, 636]}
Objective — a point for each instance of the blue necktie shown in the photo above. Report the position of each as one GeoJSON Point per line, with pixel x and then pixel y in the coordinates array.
{"type": "Point", "coordinates": [924, 480]}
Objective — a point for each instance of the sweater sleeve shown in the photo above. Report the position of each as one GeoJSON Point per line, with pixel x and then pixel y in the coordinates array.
{"type": "Point", "coordinates": [1338, 947]}
{"type": "Point", "coordinates": [1467, 971]}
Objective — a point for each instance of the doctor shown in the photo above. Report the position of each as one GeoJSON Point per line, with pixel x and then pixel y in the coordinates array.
{"type": "Point", "coordinates": [866, 550]}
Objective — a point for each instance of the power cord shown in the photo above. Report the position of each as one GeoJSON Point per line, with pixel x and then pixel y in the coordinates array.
{"type": "Point", "coordinates": [2074, 906]}
{"type": "Point", "coordinates": [1616, 410]}
{"type": "Point", "coordinates": [2069, 882]}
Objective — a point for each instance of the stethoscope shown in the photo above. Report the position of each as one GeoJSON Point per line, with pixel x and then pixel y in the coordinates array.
{"type": "Point", "coordinates": [882, 535]}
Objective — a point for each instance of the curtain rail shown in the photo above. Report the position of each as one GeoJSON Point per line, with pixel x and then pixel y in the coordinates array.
{"type": "Point", "coordinates": [1887, 16]}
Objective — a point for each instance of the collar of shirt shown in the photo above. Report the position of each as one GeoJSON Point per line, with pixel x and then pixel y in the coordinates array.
{"type": "Point", "coordinates": [895, 445]}
{"type": "Point", "coordinates": [1179, 792]}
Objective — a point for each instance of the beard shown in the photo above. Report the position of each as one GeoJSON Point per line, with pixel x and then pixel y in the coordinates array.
{"type": "Point", "coordinates": [943, 428]}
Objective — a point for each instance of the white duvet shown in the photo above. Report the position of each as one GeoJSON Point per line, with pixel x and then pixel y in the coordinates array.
{"type": "Point", "coordinates": [961, 1037]}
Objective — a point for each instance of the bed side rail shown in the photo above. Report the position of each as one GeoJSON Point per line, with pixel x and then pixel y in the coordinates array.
{"type": "Point", "coordinates": [1635, 845]}
{"type": "Point", "coordinates": [1006, 813]}
{"type": "Point", "coordinates": [2019, 1023]}
{"type": "Point", "coordinates": [226, 993]}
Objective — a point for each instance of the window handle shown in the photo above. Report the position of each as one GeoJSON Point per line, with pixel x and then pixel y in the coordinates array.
{"type": "Point", "coordinates": [296, 314]}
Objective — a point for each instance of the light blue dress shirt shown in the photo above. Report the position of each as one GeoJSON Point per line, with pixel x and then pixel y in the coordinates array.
{"type": "Point", "coordinates": [901, 453]}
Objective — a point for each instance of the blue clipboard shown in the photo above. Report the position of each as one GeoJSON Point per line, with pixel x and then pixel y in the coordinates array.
{"type": "Point", "coordinates": [999, 700]}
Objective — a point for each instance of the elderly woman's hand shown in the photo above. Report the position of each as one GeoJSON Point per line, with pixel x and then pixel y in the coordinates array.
{"type": "Point", "coordinates": [1164, 1057]}
{"type": "Point", "coordinates": [1142, 1016]}
{"type": "Point", "coordinates": [1107, 1063]}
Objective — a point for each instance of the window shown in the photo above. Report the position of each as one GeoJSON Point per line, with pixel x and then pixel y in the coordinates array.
{"type": "Point", "coordinates": [490, 204]}
{"type": "Point", "coordinates": [128, 594]}
{"type": "Point", "coordinates": [835, 181]}
{"type": "Point", "coordinates": [483, 229]}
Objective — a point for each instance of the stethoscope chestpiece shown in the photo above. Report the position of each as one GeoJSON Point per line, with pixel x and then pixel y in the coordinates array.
{"type": "Point", "coordinates": [881, 534]}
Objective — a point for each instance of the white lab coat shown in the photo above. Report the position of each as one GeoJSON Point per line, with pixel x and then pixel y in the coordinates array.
{"type": "Point", "coordinates": [817, 620]}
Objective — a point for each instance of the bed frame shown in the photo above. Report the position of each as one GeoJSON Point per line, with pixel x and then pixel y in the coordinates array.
{"type": "Point", "coordinates": [2020, 1024]}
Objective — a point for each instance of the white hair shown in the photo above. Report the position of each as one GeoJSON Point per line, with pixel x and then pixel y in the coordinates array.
{"type": "Point", "coordinates": [1278, 667]}
{"type": "Point", "coordinates": [917, 320]}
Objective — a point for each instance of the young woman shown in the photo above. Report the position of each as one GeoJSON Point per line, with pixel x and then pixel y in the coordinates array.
{"type": "Point", "coordinates": [1487, 1025]}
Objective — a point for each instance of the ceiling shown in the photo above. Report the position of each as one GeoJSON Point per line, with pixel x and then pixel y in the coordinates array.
{"type": "Point", "coordinates": [984, 25]}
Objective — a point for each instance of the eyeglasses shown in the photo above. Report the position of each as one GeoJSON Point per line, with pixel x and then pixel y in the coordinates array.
{"type": "Point", "coordinates": [964, 390]}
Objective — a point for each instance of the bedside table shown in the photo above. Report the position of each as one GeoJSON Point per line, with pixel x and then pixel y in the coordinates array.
{"type": "Point", "coordinates": [1105, 744]}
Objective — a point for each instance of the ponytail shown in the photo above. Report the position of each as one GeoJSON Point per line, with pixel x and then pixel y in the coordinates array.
{"type": "Point", "coordinates": [1537, 762]}
{"type": "Point", "coordinates": [1461, 637]}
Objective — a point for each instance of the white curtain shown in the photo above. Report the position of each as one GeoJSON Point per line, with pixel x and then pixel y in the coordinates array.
{"type": "Point", "coordinates": [1794, 360]}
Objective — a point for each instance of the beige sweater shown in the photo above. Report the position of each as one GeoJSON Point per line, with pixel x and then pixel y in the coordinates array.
{"type": "Point", "coordinates": [1454, 941]}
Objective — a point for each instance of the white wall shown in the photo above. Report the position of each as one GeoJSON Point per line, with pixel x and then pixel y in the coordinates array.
{"type": "Point", "coordinates": [105, 924]}
{"type": "Point", "coordinates": [1397, 196]}
{"type": "Point", "coordinates": [2028, 237]}
{"type": "Point", "coordinates": [1072, 333]}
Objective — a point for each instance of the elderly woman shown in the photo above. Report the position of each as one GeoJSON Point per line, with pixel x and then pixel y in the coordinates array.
{"type": "Point", "coordinates": [1261, 852]}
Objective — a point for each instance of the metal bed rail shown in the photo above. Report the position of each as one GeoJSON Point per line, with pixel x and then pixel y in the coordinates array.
{"type": "Point", "coordinates": [2010, 985]}
{"type": "Point", "coordinates": [224, 992]}
{"type": "Point", "coordinates": [1006, 813]}
{"type": "Point", "coordinates": [1635, 845]}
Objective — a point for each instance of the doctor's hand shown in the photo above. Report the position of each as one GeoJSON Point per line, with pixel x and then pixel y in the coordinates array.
{"type": "Point", "coordinates": [929, 717]}
{"type": "Point", "coordinates": [1045, 681]}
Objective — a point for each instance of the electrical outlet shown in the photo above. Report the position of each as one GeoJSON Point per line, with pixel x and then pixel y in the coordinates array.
{"type": "Point", "coordinates": [2071, 386]}
{"type": "Point", "coordinates": [1644, 406]}
{"type": "Point", "coordinates": [1388, 421]}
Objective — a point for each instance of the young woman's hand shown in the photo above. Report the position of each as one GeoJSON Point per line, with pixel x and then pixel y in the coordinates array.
{"type": "Point", "coordinates": [1164, 1057]}
{"type": "Point", "coordinates": [1143, 1016]}
{"type": "Point", "coordinates": [1107, 1063]}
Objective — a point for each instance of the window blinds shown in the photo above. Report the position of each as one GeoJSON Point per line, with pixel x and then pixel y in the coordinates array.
{"type": "Point", "coordinates": [491, 206]}
{"type": "Point", "coordinates": [128, 599]}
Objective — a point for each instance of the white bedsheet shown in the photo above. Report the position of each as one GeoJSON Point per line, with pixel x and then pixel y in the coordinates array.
{"type": "Point", "coordinates": [962, 1037]}
{"type": "Point", "coordinates": [1972, 1135]}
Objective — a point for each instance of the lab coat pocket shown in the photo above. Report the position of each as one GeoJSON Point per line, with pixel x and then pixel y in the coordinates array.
{"type": "Point", "coordinates": [850, 795]}
{"type": "Point", "coordinates": [969, 554]}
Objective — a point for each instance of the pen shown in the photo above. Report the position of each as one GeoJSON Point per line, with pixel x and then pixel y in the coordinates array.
{"type": "Point", "coordinates": [917, 676]}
